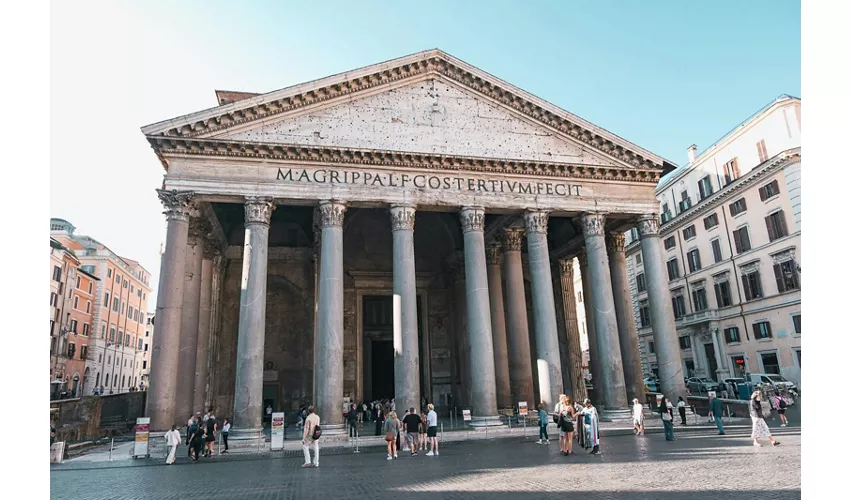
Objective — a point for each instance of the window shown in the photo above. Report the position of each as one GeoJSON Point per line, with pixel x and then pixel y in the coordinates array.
{"type": "Point", "coordinates": [84, 351]}
{"type": "Point", "coordinates": [762, 330]}
{"type": "Point", "coordinates": [762, 149]}
{"type": "Point", "coordinates": [752, 285]}
{"type": "Point", "coordinates": [670, 243]}
{"type": "Point", "coordinates": [117, 278]}
{"type": "Point", "coordinates": [770, 362]}
{"type": "Point", "coordinates": [700, 301]}
{"type": "Point", "coordinates": [732, 335]}
{"type": "Point", "coordinates": [106, 299]}
{"type": "Point", "coordinates": [103, 330]}
{"type": "Point", "coordinates": [786, 275]}
{"type": "Point", "coordinates": [85, 329]}
{"type": "Point", "coordinates": [115, 380]}
{"type": "Point", "coordinates": [705, 187]}
{"type": "Point", "coordinates": [78, 282]}
{"type": "Point", "coordinates": [132, 289]}
{"type": "Point", "coordinates": [74, 325]}
{"type": "Point", "coordinates": [88, 306]}
{"type": "Point", "coordinates": [144, 364]}
{"type": "Point", "coordinates": [140, 344]}
{"type": "Point", "coordinates": [665, 213]}
{"type": "Point", "coordinates": [731, 171]}
{"type": "Point", "coordinates": [769, 191]}
{"type": "Point", "coordinates": [89, 287]}
{"type": "Point", "coordinates": [130, 311]}
{"type": "Point", "coordinates": [115, 304]}
{"type": "Point", "coordinates": [644, 314]}
{"type": "Point", "coordinates": [693, 260]}
{"type": "Point", "coordinates": [641, 282]}
{"type": "Point", "coordinates": [123, 305]}
{"type": "Point", "coordinates": [652, 347]}
{"type": "Point", "coordinates": [679, 306]}
{"type": "Point", "coordinates": [776, 227]}
{"type": "Point", "coordinates": [579, 299]}
{"type": "Point", "coordinates": [723, 293]}
{"type": "Point", "coordinates": [112, 334]}
{"type": "Point", "coordinates": [146, 347]}
{"type": "Point", "coordinates": [715, 249]}
{"type": "Point", "coordinates": [53, 299]}
{"type": "Point", "coordinates": [57, 273]}
{"type": "Point", "coordinates": [136, 315]}
{"type": "Point", "coordinates": [109, 272]}
{"type": "Point", "coordinates": [685, 204]}
{"type": "Point", "coordinates": [72, 349]}
{"type": "Point", "coordinates": [742, 240]}
{"type": "Point", "coordinates": [120, 337]}
{"type": "Point", "coordinates": [76, 302]}
{"type": "Point", "coordinates": [710, 221]}
{"type": "Point", "coordinates": [738, 206]}
{"type": "Point", "coordinates": [125, 283]}
{"type": "Point", "coordinates": [685, 342]}
{"type": "Point", "coordinates": [139, 293]}
{"type": "Point", "coordinates": [638, 259]}
{"type": "Point", "coordinates": [689, 232]}
{"type": "Point", "coordinates": [799, 357]}
{"type": "Point", "coordinates": [673, 269]}
{"type": "Point", "coordinates": [798, 323]}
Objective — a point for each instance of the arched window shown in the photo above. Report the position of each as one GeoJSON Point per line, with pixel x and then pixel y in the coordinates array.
{"type": "Point", "coordinates": [107, 380]}
{"type": "Point", "coordinates": [97, 379]}
{"type": "Point", "coordinates": [115, 380]}
{"type": "Point", "coordinates": [123, 378]}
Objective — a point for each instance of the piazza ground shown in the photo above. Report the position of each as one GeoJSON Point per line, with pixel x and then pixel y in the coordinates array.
{"type": "Point", "coordinates": [696, 465]}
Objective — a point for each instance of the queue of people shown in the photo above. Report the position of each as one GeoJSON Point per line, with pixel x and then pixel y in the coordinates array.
{"type": "Point", "coordinates": [200, 438]}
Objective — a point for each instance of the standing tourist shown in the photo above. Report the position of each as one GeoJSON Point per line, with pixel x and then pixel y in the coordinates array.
{"type": "Point", "coordinates": [781, 406]}
{"type": "Point", "coordinates": [591, 426]}
{"type": "Point", "coordinates": [760, 430]}
{"type": "Point", "coordinates": [431, 431]}
{"type": "Point", "coordinates": [412, 421]}
{"type": "Point", "coordinates": [682, 410]}
{"type": "Point", "coordinates": [715, 408]}
{"type": "Point", "coordinates": [194, 427]}
{"type": "Point", "coordinates": [225, 431]}
{"type": "Point", "coordinates": [400, 437]}
{"type": "Point", "coordinates": [542, 424]}
{"type": "Point", "coordinates": [565, 424]}
{"type": "Point", "coordinates": [189, 424]}
{"type": "Point", "coordinates": [352, 421]}
{"type": "Point", "coordinates": [423, 427]}
{"type": "Point", "coordinates": [637, 417]}
{"type": "Point", "coordinates": [212, 427]}
{"type": "Point", "coordinates": [379, 420]}
{"type": "Point", "coordinates": [391, 434]}
{"type": "Point", "coordinates": [197, 442]}
{"type": "Point", "coordinates": [172, 440]}
{"type": "Point", "coordinates": [310, 437]}
{"type": "Point", "coordinates": [665, 409]}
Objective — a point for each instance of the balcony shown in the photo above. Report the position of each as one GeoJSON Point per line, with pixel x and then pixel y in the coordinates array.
{"type": "Point", "coordinates": [696, 318]}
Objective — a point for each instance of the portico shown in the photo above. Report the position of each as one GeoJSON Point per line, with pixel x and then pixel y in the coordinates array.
{"type": "Point", "coordinates": [419, 202]}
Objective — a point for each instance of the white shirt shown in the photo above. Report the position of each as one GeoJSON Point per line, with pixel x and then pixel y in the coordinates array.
{"type": "Point", "coordinates": [681, 404]}
{"type": "Point", "coordinates": [172, 437]}
{"type": "Point", "coordinates": [432, 418]}
{"type": "Point", "coordinates": [226, 427]}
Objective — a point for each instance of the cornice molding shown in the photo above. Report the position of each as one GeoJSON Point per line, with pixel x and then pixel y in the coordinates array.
{"type": "Point", "coordinates": [167, 146]}
{"type": "Point", "coordinates": [432, 63]}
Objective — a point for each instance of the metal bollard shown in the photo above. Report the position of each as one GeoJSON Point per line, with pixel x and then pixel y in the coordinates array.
{"type": "Point", "coordinates": [220, 438]}
{"type": "Point", "coordinates": [357, 443]}
{"type": "Point", "coordinates": [523, 428]}
{"type": "Point", "coordinates": [111, 445]}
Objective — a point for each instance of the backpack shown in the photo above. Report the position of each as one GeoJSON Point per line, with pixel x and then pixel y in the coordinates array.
{"type": "Point", "coordinates": [317, 432]}
{"type": "Point", "coordinates": [782, 404]}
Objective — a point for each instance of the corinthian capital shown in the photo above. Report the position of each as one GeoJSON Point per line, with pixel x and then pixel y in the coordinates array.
{"type": "Point", "coordinates": [402, 217]}
{"type": "Point", "coordinates": [258, 210]}
{"type": "Point", "coordinates": [199, 229]}
{"type": "Point", "coordinates": [566, 268]}
{"type": "Point", "coordinates": [648, 225]}
{"type": "Point", "coordinates": [512, 238]}
{"type": "Point", "coordinates": [593, 224]}
{"type": "Point", "coordinates": [472, 219]}
{"type": "Point", "coordinates": [178, 204]}
{"type": "Point", "coordinates": [494, 254]}
{"type": "Point", "coordinates": [536, 221]}
{"type": "Point", "coordinates": [331, 213]}
{"type": "Point", "coordinates": [616, 242]}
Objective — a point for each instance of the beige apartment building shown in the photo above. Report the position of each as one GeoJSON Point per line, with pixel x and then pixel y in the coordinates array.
{"type": "Point", "coordinates": [116, 341]}
{"type": "Point", "coordinates": [731, 224]}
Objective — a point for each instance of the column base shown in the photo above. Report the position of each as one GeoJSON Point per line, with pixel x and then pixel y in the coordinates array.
{"type": "Point", "coordinates": [487, 421]}
{"type": "Point", "coordinates": [615, 416]}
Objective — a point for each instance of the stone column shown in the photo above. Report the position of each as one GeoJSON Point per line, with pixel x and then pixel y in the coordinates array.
{"type": "Point", "coordinates": [481, 365]}
{"type": "Point", "coordinates": [329, 353]}
{"type": "Point", "coordinates": [405, 324]}
{"type": "Point", "coordinates": [460, 363]}
{"type": "Point", "coordinates": [610, 373]}
{"type": "Point", "coordinates": [519, 348]}
{"type": "Point", "coordinates": [204, 323]}
{"type": "Point", "coordinates": [698, 371]}
{"type": "Point", "coordinates": [184, 406]}
{"type": "Point", "coordinates": [661, 309]}
{"type": "Point", "coordinates": [250, 347]}
{"type": "Point", "coordinates": [212, 393]}
{"type": "Point", "coordinates": [162, 390]}
{"type": "Point", "coordinates": [592, 344]}
{"type": "Point", "coordinates": [497, 320]}
{"type": "Point", "coordinates": [719, 355]}
{"type": "Point", "coordinates": [632, 371]}
{"type": "Point", "coordinates": [543, 306]}
{"type": "Point", "coordinates": [578, 390]}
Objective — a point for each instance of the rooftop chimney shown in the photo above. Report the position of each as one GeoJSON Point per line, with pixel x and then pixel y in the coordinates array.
{"type": "Point", "coordinates": [692, 153]}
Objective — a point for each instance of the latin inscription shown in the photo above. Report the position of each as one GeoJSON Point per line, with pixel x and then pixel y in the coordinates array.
{"type": "Point", "coordinates": [432, 182]}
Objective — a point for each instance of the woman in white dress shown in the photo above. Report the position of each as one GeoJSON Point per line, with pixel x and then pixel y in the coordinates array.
{"type": "Point", "coordinates": [637, 417]}
{"type": "Point", "coordinates": [590, 420]}
{"type": "Point", "coordinates": [760, 429]}
{"type": "Point", "coordinates": [172, 440]}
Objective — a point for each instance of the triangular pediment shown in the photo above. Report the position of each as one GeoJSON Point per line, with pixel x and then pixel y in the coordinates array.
{"type": "Point", "coordinates": [432, 116]}
{"type": "Point", "coordinates": [429, 102]}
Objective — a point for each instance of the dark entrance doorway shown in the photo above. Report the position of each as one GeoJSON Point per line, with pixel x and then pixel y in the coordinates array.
{"type": "Point", "coordinates": [378, 363]}
{"type": "Point", "coordinates": [383, 376]}
{"type": "Point", "coordinates": [712, 361]}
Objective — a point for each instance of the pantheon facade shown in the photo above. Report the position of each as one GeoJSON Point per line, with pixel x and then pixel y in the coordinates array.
{"type": "Point", "coordinates": [402, 230]}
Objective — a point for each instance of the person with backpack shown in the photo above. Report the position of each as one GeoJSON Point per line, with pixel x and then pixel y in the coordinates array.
{"type": "Point", "coordinates": [542, 423]}
{"type": "Point", "coordinates": [310, 437]}
{"type": "Point", "coordinates": [780, 409]}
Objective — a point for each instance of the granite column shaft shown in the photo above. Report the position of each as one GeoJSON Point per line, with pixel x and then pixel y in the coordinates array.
{"type": "Point", "coordinates": [574, 360]}
{"type": "Point", "coordinates": [184, 406]}
{"type": "Point", "coordinates": [519, 347]}
{"type": "Point", "coordinates": [629, 351]}
{"type": "Point", "coordinates": [595, 363]}
{"type": "Point", "coordinates": [405, 324]}
{"type": "Point", "coordinates": [204, 324]}
{"type": "Point", "coordinates": [497, 320]}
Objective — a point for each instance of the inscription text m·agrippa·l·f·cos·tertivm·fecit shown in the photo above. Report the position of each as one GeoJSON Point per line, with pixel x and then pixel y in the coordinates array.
{"type": "Point", "coordinates": [422, 181]}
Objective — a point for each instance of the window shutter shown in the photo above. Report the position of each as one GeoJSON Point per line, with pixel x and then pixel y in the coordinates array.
{"type": "Point", "coordinates": [745, 239]}
{"type": "Point", "coordinates": [737, 235]}
{"type": "Point", "coordinates": [756, 330]}
{"type": "Point", "coordinates": [696, 257]}
{"type": "Point", "coordinates": [780, 280]}
{"type": "Point", "coordinates": [701, 190]}
{"type": "Point", "coordinates": [747, 294]}
{"type": "Point", "coordinates": [717, 295]}
{"type": "Point", "coordinates": [769, 331]}
{"type": "Point", "coordinates": [762, 193]}
{"type": "Point", "coordinates": [743, 204]}
{"type": "Point", "coordinates": [771, 232]}
{"type": "Point", "coordinates": [783, 228]}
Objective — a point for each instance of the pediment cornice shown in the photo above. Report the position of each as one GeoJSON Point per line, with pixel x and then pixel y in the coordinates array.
{"type": "Point", "coordinates": [430, 63]}
{"type": "Point", "coordinates": [180, 146]}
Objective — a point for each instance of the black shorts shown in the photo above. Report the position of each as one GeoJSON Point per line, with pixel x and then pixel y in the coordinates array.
{"type": "Point", "coordinates": [568, 427]}
{"type": "Point", "coordinates": [781, 411]}
{"type": "Point", "coordinates": [432, 431]}
{"type": "Point", "coordinates": [209, 438]}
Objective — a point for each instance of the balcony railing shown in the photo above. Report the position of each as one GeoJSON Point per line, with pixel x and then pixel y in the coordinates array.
{"type": "Point", "coordinates": [698, 317]}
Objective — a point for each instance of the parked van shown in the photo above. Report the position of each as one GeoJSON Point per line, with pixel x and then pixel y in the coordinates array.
{"type": "Point", "coordinates": [773, 379]}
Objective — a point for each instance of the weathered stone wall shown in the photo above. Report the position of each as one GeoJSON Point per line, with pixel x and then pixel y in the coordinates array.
{"type": "Point", "coordinates": [93, 417]}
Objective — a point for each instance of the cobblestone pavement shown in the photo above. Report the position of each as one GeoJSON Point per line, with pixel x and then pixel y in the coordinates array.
{"type": "Point", "coordinates": [696, 465]}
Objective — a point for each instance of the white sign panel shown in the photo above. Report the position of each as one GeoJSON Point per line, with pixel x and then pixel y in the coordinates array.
{"type": "Point", "coordinates": [467, 415]}
{"type": "Point", "coordinates": [277, 431]}
{"type": "Point", "coordinates": [523, 408]}
{"type": "Point", "coordinates": [143, 428]}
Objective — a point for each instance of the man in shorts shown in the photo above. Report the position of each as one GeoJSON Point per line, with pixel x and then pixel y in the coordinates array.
{"type": "Point", "coordinates": [411, 426]}
{"type": "Point", "coordinates": [431, 432]}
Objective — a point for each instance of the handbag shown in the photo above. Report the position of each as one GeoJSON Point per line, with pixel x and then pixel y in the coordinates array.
{"type": "Point", "coordinates": [390, 437]}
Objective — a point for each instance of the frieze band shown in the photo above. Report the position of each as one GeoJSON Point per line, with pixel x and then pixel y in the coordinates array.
{"type": "Point", "coordinates": [331, 213]}
{"type": "Point", "coordinates": [402, 217]}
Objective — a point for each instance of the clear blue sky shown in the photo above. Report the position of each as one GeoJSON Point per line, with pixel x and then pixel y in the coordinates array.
{"type": "Point", "coordinates": [661, 74]}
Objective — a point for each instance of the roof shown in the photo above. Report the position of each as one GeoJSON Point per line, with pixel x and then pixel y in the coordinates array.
{"type": "Point", "coordinates": [674, 174]}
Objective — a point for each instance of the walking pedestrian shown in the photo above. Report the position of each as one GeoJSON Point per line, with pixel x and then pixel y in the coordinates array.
{"type": "Point", "coordinates": [310, 437]}
{"type": "Point", "coordinates": [189, 424]}
{"type": "Point", "coordinates": [411, 422]}
{"type": "Point", "coordinates": [760, 429]}
{"type": "Point", "coordinates": [212, 427]}
{"type": "Point", "coordinates": [402, 439]}
{"type": "Point", "coordinates": [197, 441]}
{"type": "Point", "coordinates": [715, 408]}
{"type": "Point", "coordinates": [664, 408]}
{"type": "Point", "coordinates": [225, 431]}
{"type": "Point", "coordinates": [780, 408]}
{"type": "Point", "coordinates": [682, 410]}
{"type": "Point", "coordinates": [591, 426]}
{"type": "Point", "coordinates": [352, 421]}
{"type": "Point", "coordinates": [194, 428]}
{"type": "Point", "coordinates": [637, 417]}
{"type": "Point", "coordinates": [391, 435]}
{"type": "Point", "coordinates": [423, 426]}
{"type": "Point", "coordinates": [172, 440]}
{"type": "Point", "coordinates": [431, 431]}
{"type": "Point", "coordinates": [542, 424]}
